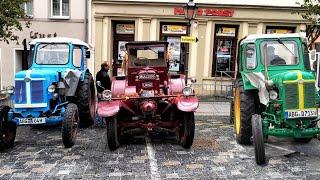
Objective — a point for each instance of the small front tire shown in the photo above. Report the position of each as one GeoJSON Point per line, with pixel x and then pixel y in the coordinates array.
{"type": "Point", "coordinates": [7, 129]}
{"type": "Point", "coordinates": [112, 132]}
{"type": "Point", "coordinates": [70, 125]}
{"type": "Point", "coordinates": [258, 140]}
{"type": "Point", "coordinates": [186, 132]}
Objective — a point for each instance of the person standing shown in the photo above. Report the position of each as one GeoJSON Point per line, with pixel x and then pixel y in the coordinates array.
{"type": "Point", "coordinates": [103, 77]}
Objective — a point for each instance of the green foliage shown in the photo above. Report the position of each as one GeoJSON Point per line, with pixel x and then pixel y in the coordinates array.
{"type": "Point", "coordinates": [311, 13]}
{"type": "Point", "coordinates": [10, 14]}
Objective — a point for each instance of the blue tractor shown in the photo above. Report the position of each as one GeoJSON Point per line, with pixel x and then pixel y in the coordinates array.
{"type": "Point", "coordinates": [56, 89]}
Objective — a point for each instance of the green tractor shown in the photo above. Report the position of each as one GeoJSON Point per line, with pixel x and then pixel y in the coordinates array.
{"type": "Point", "coordinates": [275, 91]}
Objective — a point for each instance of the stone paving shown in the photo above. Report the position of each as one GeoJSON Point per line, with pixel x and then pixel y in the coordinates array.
{"type": "Point", "coordinates": [39, 154]}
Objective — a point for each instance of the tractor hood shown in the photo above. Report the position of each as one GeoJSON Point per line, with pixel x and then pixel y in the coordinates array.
{"type": "Point", "coordinates": [48, 75]}
{"type": "Point", "coordinates": [290, 76]}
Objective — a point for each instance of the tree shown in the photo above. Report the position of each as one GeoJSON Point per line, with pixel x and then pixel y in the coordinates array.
{"type": "Point", "coordinates": [311, 13]}
{"type": "Point", "coordinates": [10, 14]}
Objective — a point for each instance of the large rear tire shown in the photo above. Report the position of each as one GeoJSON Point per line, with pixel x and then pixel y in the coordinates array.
{"type": "Point", "coordinates": [86, 100]}
{"type": "Point", "coordinates": [258, 140]}
{"type": "Point", "coordinates": [186, 132]}
{"type": "Point", "coordinates": [7, 129]}
{"type": "Point", "coordinates": [112, 132]}
{"type": "Point", "coordinates": [70, 125]}
{"type": "Point", "coordinates": [244, 108]}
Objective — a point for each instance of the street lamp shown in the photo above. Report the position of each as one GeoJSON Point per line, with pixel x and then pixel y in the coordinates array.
{"type": "Point", "coordinates": [190, 11]}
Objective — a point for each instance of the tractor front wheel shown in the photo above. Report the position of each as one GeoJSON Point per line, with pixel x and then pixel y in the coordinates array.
{"type": "Point", "coordinates": [7, 129]}
{"type": "Point", "coordinates": [86, 100]}
{"type": "Point", "coordinates": [186, 132]}
{"type": "Point", "coordinates": [70, 125]}
{"type": "Point", "coordinates": [244, 108]}
{"type": "Point", "coordinates": [258, 140]}
{"type": "Point", "coordinates": [112, 132]}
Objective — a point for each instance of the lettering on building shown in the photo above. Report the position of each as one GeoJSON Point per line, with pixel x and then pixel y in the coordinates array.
{"type": "Point", "coordinates": [207, 12]}
{"type": "Point", "coordinates": [36, 35]}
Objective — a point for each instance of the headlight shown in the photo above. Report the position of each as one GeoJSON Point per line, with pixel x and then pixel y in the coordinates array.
{"type": "Point", "coordinates": [187, 91]}
{"type": "Point", "coordinates": [51, 88]}
{"type": "Point", "coordinates": [273, 95]}
{"type": "Point", "coordinates": [106, 95]}
{"type": "Point", "coordinates": [10, 89]}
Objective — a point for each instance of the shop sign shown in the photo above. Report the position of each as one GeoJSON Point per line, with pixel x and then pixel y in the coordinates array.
{"type": "Point", "coordinates": [279, 31]}
{"type": "Point", "coordinates": [189, 39]}
{"type": "Point", "coordinates": [208, 12]}
{"type": "Point", "coordinates": [36, 35]}
{"type": "Point", "coordinates": [174, 29]}
{"type": "Point", "coordinates": [125, 28]}
{"type": "Point", "coordinates": [226, 31]}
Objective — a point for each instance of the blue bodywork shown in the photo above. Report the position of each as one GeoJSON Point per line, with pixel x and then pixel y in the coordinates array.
{"type": "Point", "coordinates": [31, 97]}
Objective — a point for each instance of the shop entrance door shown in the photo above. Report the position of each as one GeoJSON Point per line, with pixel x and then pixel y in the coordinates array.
{"type": "Point", "coordinates": [123, 32]}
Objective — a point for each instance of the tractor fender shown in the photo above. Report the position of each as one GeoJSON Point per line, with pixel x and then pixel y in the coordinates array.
{"type": "Point", "coordinates": [187, 104]}
{"type": "Point", "coordinates": [108, 108]}
{"type": "Point", "coordinates": [176, 84]}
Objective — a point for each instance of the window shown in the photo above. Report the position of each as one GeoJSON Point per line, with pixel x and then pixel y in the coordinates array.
{"type": "Point", "coordinates": [146, 56]}
{"type": "Point", "coordinates": [52, 54]}
{"type": "Point", "coordinates": [279, 52]}
{"type": "Point", "coordinates": [77, 56]}
{"type": "Point", "coordinates": [250, 56]}
{"type": "Point", "coordinates": [28, 8]}
{"type": "Point", "coordinates": [60, 8]}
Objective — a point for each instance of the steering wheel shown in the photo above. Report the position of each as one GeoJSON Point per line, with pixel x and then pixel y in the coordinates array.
{"type": "Point", "coordinates": [141, 61]}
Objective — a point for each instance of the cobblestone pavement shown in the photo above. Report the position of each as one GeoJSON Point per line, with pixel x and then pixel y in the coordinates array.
{"type": "Point", "coordinates": [39, 154]}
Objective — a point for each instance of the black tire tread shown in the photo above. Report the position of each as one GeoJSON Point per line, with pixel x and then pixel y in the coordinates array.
{"type": "Point", "coordinates": [67, 125]}
{"type": "Point", "coordinates": [247, 109]}
{"type": "Point", "coordinates": [5, 125]}
{"type": "Point", "coordinates": [82, 100]}
{"type": "Point", "coordinates": [258, 140]}
{"type": "Point", "coordinates": [188, 118]}
{"type": "Point", "coordinates": [112, 134]}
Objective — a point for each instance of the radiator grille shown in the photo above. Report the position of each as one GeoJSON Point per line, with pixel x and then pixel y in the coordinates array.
{"type": "Point", "coordinates": [36, 91]}
{"type": "Point", "coordinates": [20, 92]}
{"type": "Point", "coordinates": [291, 93]}
{"type": "Point", "coordinates": [309, 95]}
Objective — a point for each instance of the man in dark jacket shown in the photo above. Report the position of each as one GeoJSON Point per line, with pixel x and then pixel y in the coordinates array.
{"type": "Point", "coordinates": [103, 77]}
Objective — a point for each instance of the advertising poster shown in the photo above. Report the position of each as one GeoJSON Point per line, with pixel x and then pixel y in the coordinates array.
{"type": "Point", "coordinates": [125, 29]}
{"type": "Point", "coordinates": [174, 29]}
{"type": "Point", "coordinates": [226, 31]}
{"type": "Point", "coordinates": [121, 50]}
{"type": "Point", "coordinates": [174, 48]}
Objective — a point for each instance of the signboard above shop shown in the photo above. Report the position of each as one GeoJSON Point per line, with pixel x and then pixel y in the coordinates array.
{"type": "Point", "coordinates": [207, 12]}
{"type": "Point", "coordinates": [174, 29]}
{"type": "Point", "coordinates": [125, 29]}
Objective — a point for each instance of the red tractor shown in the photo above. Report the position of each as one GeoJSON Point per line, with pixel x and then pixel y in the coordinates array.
{"type": "Point", "coordinates": [148, 99]}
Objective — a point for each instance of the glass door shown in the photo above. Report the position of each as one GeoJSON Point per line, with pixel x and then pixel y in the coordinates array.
{"type": "Point", "coordinates": [223, 55]}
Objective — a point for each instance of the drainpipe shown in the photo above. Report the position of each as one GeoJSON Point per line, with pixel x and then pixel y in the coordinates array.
{"type": "Point", "coordinates": [86, 21]}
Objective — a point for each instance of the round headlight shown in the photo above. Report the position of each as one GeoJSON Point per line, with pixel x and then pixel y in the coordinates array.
{"type": "Point", "coordinates": [106, 95]}
{"type": "Point", "coordinates": [273, 95]}
{"type": "Point", "coordinates": [10, 89]}
{"type": "Point", "coordinates": [187, 91]}
{"type": "Point", "coordinates": [51, 88]}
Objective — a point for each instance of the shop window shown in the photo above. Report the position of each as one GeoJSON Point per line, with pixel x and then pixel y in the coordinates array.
{"type": "Point", "coordinates": [172, 32]}
{"type": "Point", "coordinates": [317, 45]}
{"type": "Point", "coordinates": [77, 56]}
{"type": "Point", "coordinates": [28, 8]}
{"type": "Point", "coordinates": [60, 8]}
{"type": "Point", "coordinates": [123, 32]}
{"type": "Point", "coordinates": [225, 45]}
{"type": "Point", "coordinates": [279, 30]}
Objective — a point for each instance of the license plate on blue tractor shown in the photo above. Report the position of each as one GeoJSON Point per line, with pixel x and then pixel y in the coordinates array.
{"type": "Point", "coordinates": [23, 121]}
{"type": "Point", "coordinates": [301, 113]}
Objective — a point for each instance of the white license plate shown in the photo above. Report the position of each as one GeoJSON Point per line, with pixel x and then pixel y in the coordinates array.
{"type": "Point", "coordinates": [32, 120]}
{"type": "Point", "coordinates": [303, 113]}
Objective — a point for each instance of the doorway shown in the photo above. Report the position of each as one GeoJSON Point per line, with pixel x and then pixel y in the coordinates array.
{"type": "Point", "coordinates": [224, 51]}
{"type": "Point", "coordinates": [123, 32]}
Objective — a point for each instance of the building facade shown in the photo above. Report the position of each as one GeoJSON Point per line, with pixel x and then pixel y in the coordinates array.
{"type": "Point", "coordinates": [218, 28]}
{"type": "Point", "coordinates": [48, 18]}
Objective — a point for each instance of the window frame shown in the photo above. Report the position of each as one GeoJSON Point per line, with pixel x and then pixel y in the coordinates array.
{"type": "Point", "coordinates": [245, 56]}
{"type": "Point", "coordinates": [82, 59]}
{"type": "Point", "coordinates": [26, 9]}
{"type": "Point", "coordinates": [60, 16]}
{"type": "Point", "coordinates": [36, 54]}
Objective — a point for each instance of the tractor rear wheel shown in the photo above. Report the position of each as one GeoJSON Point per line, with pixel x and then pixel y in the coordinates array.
{"type": "Point", "coordinates": [112, 132]}
{"type": "Point", "coordinates": [70, 125]}
{"type": "Point", "coordinates": [258, 140]}
{"type": "Point", "coordinates": [186, 132]}
{"type": "Point", "coordinates": [7, 129]}
{"type": "Point", "coordinates": [86, 100]}
{"type": "Point", "coordinates": [244, 108]}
